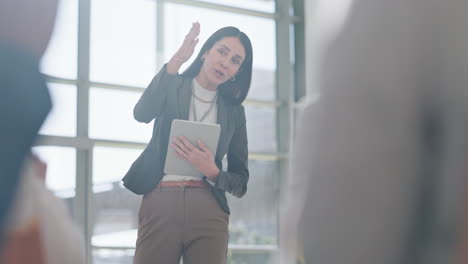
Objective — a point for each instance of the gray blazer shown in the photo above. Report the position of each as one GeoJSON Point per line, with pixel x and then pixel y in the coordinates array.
{"type": "Point", "coordinates": [167, 98]}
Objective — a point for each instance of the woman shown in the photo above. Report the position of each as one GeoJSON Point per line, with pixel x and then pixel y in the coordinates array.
{"type": "Point", "coordinates": [184, 216]}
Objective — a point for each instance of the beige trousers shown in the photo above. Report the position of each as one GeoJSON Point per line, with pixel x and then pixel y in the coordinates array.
{"type": "Point", "coordinates": [185, 222]}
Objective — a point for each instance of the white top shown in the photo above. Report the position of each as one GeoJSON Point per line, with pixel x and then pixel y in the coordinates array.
{"type": "Point", "coordinates": [201, 108]}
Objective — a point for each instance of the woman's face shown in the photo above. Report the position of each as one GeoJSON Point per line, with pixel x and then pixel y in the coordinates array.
{"type": "Point", "coordinates": [222, 61]}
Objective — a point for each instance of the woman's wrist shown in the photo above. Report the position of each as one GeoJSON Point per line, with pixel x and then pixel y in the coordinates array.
{"type": "Point", "coordinates": [213, 174]}
{"type": "Point", "coordinates": [174, 65]}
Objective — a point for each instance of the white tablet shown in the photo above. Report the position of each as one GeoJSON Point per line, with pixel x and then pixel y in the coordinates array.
{"type": "Point", "coordinates": [206, 132]}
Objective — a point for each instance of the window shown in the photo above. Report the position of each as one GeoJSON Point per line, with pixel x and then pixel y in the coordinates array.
{"type": "Point", "coordinates": [62, 119]}
{"type": "Point", "coordinates": [261, 129]}
{"type": "Point", "coordinates": [60, 176]}
{"type": "Point", "coordinates": [111, 116]}
{"type": "Point", "coordinates": [258, 5]}
{"type": "Point", "coordinates": [253, 219]}
{"type": "Point", "coordinates": [123, 41]}
{"type": "Point", "coordinates": [115, 209]}
{"type": "Point", "coordinates": [60, 58]}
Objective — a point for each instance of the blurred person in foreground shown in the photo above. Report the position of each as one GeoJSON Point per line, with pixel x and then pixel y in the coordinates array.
{"type": "Point", "coordinates": [34, 227]}
{"type": "Point", "coordinates": [25, 29]}
{"type": "Point", "coordinates": [39, 228]}
{"type": "Point", "coordinates": [379, 160]}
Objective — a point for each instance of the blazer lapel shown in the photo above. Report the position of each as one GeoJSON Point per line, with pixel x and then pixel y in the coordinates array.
{"type": "Point", "coordinates": [184, 100]}
{"type": "Point", "coordinates": [222, 119]}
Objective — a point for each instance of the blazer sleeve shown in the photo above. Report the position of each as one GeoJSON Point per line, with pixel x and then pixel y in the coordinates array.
{"type": "Point", "coordinates": [153, 100]}
{"type": "Point", "coordinates": [235, 179]}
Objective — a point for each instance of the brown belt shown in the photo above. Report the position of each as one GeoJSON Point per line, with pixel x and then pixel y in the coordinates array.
{"type": "Point", "coordinates": [200, 184]}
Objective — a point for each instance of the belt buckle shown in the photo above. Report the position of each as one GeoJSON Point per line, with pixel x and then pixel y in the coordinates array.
{"type": "Point", "coordinates": [182, 184]}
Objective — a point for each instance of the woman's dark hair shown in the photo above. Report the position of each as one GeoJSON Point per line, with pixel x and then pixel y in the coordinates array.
{"type": "Point", "coordinates": [235, 90]}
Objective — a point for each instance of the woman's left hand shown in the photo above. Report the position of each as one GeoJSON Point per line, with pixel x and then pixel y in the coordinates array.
{"type": "Point", "coordinates": [200, 157]}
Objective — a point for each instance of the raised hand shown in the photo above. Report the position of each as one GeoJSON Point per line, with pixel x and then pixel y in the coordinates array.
{"type": "Point", "coordinates": [185, 51]}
